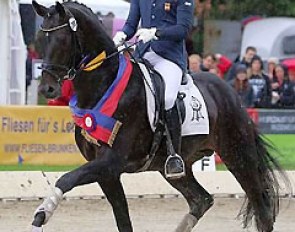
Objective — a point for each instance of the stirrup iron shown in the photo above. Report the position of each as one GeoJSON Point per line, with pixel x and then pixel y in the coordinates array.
{"type": "Point", "coordinates": [174, 175]}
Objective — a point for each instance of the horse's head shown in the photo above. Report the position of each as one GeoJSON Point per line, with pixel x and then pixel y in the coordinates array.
{"type": "Point", "coordinates": [58, 45]}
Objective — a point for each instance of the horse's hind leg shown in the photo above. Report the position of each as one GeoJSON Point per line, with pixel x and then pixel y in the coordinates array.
{"type": "Point", "coordinates": [198, 199]}
{"type": "Point", "coordinates": [107, 173]}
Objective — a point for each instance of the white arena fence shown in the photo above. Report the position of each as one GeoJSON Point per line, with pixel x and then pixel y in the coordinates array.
{"type": "Point", "coordinates": [34, 185]}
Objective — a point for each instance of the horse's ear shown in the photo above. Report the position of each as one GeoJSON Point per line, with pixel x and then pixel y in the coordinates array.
{"type": "Point", "coordinates": [39, 9]}
{"type": "Point", "coordinates": [60, 9]}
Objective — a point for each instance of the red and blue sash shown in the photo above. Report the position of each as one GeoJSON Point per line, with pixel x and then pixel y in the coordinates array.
{"type": "Point", "coordinates": [98, 121]}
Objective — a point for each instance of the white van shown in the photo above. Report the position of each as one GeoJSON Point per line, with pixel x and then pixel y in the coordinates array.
{"type": "Point", "coordinates": [272, 37]}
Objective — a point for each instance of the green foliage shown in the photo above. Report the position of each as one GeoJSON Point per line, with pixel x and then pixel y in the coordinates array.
{"type": "Point", "coordinates": [237, 9]}
{"type": "Point", "coordinates": [37, 168]}
{"type": "Point", "coordinates": [286, 147]}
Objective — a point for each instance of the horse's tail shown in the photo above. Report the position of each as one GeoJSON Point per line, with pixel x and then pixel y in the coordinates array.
{"type": "Point", "coordinates": [265, 207]}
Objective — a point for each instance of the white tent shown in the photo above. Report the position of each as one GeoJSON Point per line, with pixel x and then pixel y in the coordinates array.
{"type": "Point", "coordinates": [12, 55]}
{"type": "Point", "coordinates": [120, 8]}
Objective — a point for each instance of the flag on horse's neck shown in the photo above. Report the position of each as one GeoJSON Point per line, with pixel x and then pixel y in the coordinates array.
{"type": "Point", "coordinates": [97, 123]}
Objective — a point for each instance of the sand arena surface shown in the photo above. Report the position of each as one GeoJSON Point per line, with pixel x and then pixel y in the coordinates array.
{"type": "Point", "coordinates": [147, 215]}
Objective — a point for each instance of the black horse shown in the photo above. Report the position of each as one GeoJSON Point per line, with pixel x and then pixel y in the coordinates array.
{"type": "Point", "coordinates": [71, 30]}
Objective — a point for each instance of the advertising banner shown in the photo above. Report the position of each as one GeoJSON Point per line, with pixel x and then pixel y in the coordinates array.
{"type": "Point", "coordinates": [274, 121]}
{"type": "Point", "coordinates": [42, 135]}
{"type": "Point", "coordinates": [277, 121]}
{"type": "Point", "coordinates": [37, 135]}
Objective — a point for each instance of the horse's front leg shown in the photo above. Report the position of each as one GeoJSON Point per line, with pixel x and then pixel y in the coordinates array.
{"type": "Point", "coordinates": [114, 192]}
{"type": "Point", "coordinates": [106, 171]}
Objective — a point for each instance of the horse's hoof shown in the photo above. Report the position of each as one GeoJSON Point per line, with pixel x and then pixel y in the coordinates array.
{"type": "Point", "coordinates": [37, 229]}
{"type": "Point", "coordinates": [39, 219]}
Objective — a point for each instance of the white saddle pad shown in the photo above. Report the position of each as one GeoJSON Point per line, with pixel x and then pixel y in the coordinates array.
{"type": "Point", "coordinates": [196, 117]}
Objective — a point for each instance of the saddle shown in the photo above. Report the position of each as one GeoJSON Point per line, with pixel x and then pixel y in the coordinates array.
{"type": "Point", "coordinates": [157, 87]}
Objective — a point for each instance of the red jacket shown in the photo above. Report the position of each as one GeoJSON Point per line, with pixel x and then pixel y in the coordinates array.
{"type": "Point", "coordinates": [223, 66]}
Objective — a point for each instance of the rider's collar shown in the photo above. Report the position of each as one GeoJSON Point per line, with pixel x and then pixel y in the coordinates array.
{"type": "Point", "coordinates": [94, 63]}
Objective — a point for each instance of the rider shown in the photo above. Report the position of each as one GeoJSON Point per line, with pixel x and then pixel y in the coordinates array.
{"type": "Point", "coordinates": [164, 27]}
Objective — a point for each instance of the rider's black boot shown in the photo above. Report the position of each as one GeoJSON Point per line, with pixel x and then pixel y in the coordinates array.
{"type": "Point", "coordinates": [174, 166]}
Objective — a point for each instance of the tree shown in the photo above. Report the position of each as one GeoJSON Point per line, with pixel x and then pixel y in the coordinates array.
{"type": "Point", "coordinates": [237, 9]}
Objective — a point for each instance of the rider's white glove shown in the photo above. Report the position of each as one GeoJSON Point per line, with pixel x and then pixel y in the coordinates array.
{"type": "Point", "coordinates": [119, 38]}
{"type": "Point", "coordinates": [146, 34]}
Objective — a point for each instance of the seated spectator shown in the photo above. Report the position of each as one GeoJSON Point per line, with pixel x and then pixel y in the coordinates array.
{"type": "Point", "coordinates": [242, 87]}
{"type": "Point", "coordinates": [260, 83]}
{"type": "Point", "coordinates": [284, 97]}
{"type": "Point", "coordinates": [250, 52]}
{"type": "Point", "coordinates": [194, 62]}
{"type": "Point", "coordinates": [208, 62]}
{"type": "Point", "coordinates": [67, 91]}
{"type": "Point", "coordinates": [223, 64]}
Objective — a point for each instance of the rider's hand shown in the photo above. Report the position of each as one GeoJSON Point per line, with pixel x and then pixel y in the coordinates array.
{"type": "Point", "coordinates": [119, 38]}
{"type": "Point", "coordinates": [146, 34]}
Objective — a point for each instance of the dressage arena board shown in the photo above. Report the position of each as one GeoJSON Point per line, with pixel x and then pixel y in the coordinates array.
{"type": "Point", "coordinates": [36, 185]}
{"type": "Point", "coordinates": [154, 206]}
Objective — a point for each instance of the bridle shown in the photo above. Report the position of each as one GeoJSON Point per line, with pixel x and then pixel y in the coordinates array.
{"type": "Point", "coordinates": [51, 68]}
{"type": "Point", "coordinates": [71, 70]}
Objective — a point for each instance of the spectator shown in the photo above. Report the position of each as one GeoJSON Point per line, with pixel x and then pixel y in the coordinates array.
{"type": "Point", "coordinates": [271, 64]}
{"type": "Point", "coordinates": [249, 54]}
{"type": "Point", "coordinates": [208, 62]}
{"type": "Point", "coordinates": [285, 96]}
{"type": "Point", "coordinates": [290, 64]}
{"type": "Point", "coordinates": [260, 83]}
{"type": "Point", "coordinates": [31, 55]}
{"type": "Point", "coordinates": [194, 62]}
{"type": "Point", "coordinates": [242, 86]}
{"type": "Point", "coordinates": [223, 65]}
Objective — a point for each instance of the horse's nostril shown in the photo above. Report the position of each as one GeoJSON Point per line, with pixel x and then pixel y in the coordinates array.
{"type": "Point", "coordinates": [50, 89]}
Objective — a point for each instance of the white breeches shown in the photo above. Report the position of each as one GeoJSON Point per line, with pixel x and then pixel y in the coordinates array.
{"type": "Point", "coordinates": [171, 73]}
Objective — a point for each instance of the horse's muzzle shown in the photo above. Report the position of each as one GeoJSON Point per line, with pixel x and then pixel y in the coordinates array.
{"type": "Point", "coordinates": [49, 91]}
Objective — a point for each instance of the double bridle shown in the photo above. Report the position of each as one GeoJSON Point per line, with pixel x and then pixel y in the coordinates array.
{"type": "Point", "coordinates": [69, 69]}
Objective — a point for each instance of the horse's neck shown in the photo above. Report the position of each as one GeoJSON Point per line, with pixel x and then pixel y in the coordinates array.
{"type": "Point", "coordinates": [91, 86]}
{"type": "Point", "coordinates": [95, 39]}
